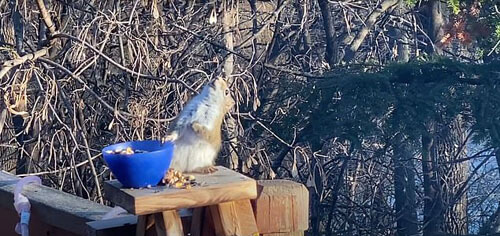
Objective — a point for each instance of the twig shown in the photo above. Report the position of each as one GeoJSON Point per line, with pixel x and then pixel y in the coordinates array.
{"type": "Point", "coordinates": [151, 77]}
{"type": "Point", "coordinates": [7, 65]}
{"type": "Point", "coordinates": [297, 73]}
{"type": "Point", "coordinates": [89, 158]}
{"type": "Point", "coordinates": [46, 17]}
{"type": "Point", "coordinates": [62, 169]}
{"type": "Point", "coordinates": [204, 39]}
{"type": "Point", "coordinates": [494, 48]}
{"type": "Point", "coordinates": [121, 114]}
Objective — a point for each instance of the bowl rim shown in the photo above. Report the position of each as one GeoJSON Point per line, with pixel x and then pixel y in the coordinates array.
{"type": "Point", "coordinates": [162, 144]}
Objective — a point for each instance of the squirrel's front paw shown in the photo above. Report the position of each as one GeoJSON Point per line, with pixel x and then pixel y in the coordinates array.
{"type": "Point", "coordinates": [169, 138]}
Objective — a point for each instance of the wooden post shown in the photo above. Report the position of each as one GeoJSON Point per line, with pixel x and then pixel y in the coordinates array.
{"type": "Point", "coordinates": [234, 218]}
{"type": "Point", "coordinates": [281, 207]}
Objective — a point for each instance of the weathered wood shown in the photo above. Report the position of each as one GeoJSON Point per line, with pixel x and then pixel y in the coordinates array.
{"type": "Point", "coordinates": [222, 186]}
{"type": "Point", "coordinates": [282, 206]}
{"type": "Point", "coordinates": [116, 226]}
{"type": "Point", "coordinates": [9, 218]}
{"type": "Point", "coordinates": [53, 207]}
{"type": "Point", "coordinates": [234, 218]}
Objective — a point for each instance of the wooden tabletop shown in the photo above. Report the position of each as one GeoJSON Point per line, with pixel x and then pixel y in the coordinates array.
{"type": "Point", "coordinates": [222, 186]}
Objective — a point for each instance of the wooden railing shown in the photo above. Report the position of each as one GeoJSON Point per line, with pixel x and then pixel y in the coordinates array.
{"type": "Point", "coordinates": [280, 208]}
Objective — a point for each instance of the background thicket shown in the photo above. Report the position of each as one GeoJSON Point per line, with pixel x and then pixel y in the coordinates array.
{"type": "Point", "coordinates": [387, 110]}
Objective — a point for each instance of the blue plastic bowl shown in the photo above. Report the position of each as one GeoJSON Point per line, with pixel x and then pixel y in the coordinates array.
{"type": "Point", "coordinates": [139, 169]}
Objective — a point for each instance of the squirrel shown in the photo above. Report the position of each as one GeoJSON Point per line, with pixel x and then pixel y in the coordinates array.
{"type": "Point", "coordinates": [196, 131]}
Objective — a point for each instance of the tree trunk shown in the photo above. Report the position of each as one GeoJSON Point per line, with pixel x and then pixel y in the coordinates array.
{"type": "Point", "coordinates": [331, 42]}
{"type": "Point", "coordinates": [399, 37]}
{"type": "Point", "coordinates": [450, 147]}
{"type": "Point", "coordinates": [404, 189]}
{"type": "Point", "coordinates": [432, 201]}
{"type": "Point", "coordinates": [435, 23]}
{"type": "Point", "coordinates": [231, 125]}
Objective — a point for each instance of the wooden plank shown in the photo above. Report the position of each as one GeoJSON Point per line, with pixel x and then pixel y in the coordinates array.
{"type": "Point", "coordinates": [197, 221]}
{"type": "Point", "coordinates": [53, 207]}
{"type": "Point", "coordinates": [160, 225]}
{"type": "Point", "coordinates": [208, 223]}
{"type": "Point", "coordinates": [234, 218]}
{"type": "Point", "coordinates": [282, 206]}
{"type": "Point", "coordinates": [173, 223]}
{"type": "Point", "coordinates": [116, 226]}
{"type": "Point", "coordinates": [246, 218]}
{"type": "Point", "coordinates": [222, 186]}
{"type": "Point", "coordinates": [261, 207]}
{"type": "Point", "coordinates": [300, 203]}
{"type": "Point", "coordinates": [9, 218]}
{"type": "Point", "coordinates": [280, 209]}
{"type": "Point", "coordinates": [141, 225]}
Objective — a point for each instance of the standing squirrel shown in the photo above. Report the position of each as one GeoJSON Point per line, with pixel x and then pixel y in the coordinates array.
{"type": "Point", "coordinates": [196, 132]}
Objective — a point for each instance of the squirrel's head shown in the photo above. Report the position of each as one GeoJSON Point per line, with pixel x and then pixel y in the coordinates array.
{"type": "Point", "coordinates": [220, 85]}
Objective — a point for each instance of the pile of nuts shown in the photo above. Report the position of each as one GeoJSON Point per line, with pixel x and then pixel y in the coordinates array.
{"type": "Point", "coordinates": [127, 151]}
{"type": "Point", "coordinates": [176, 179]}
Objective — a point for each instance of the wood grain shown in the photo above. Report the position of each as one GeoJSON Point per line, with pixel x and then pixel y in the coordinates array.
{"type": "Point", "coordinates": [282, 206]}
{"type": "Point", "coordinates": [222, 186]}
{"type": "Point", "coordinates": [234, 218]}
{"type": "Point", "coordinates": [172, 222]}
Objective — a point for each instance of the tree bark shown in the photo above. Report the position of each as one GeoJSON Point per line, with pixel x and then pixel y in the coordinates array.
{"type": "Point", "coordinates": [432, 200]}
{"type": "Point", "coordinates": [435, 18]}
{"type": "Point", "coordinates": [331, 42]}
{"type": "Point", "coordinates": [450, 147]}
{"type": "Point", "coordinates": [404, 188]}
{"type": "Point", "coordinates": [400, 36]}
{"type": "Point", "coordinates": [231, 125]}
{"type": "Point", "coordinates": [353, 47]}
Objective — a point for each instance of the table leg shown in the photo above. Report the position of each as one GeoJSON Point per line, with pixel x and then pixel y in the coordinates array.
{"type": "Point", "coordinates": [234, 218]}
{"type": "Point", "coordinates": [144, 222]}
{"type": "Point", "coordinates": [168, 223]}
{"type": "Point", "coordinates": [197, 221]}
{"type": "Point", "coordinates": [141, 225]}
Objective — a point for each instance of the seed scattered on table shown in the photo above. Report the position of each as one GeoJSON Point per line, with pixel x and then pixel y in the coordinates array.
{"type": "Point", "coordinates": [176, 179]}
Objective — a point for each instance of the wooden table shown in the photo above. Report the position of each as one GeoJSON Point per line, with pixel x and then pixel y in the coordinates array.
{"type": "Point", "coordinates": [221, 203]}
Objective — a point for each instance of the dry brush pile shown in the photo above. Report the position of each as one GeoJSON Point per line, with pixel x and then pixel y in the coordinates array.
{"type": "Point", "coordinates": [79, 75]}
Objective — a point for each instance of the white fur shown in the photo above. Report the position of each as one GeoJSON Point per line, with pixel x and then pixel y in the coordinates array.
{"type": "Point", "coordinates": [191, 151]}
{"type": "Point", "coordinates": [204, 108]}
